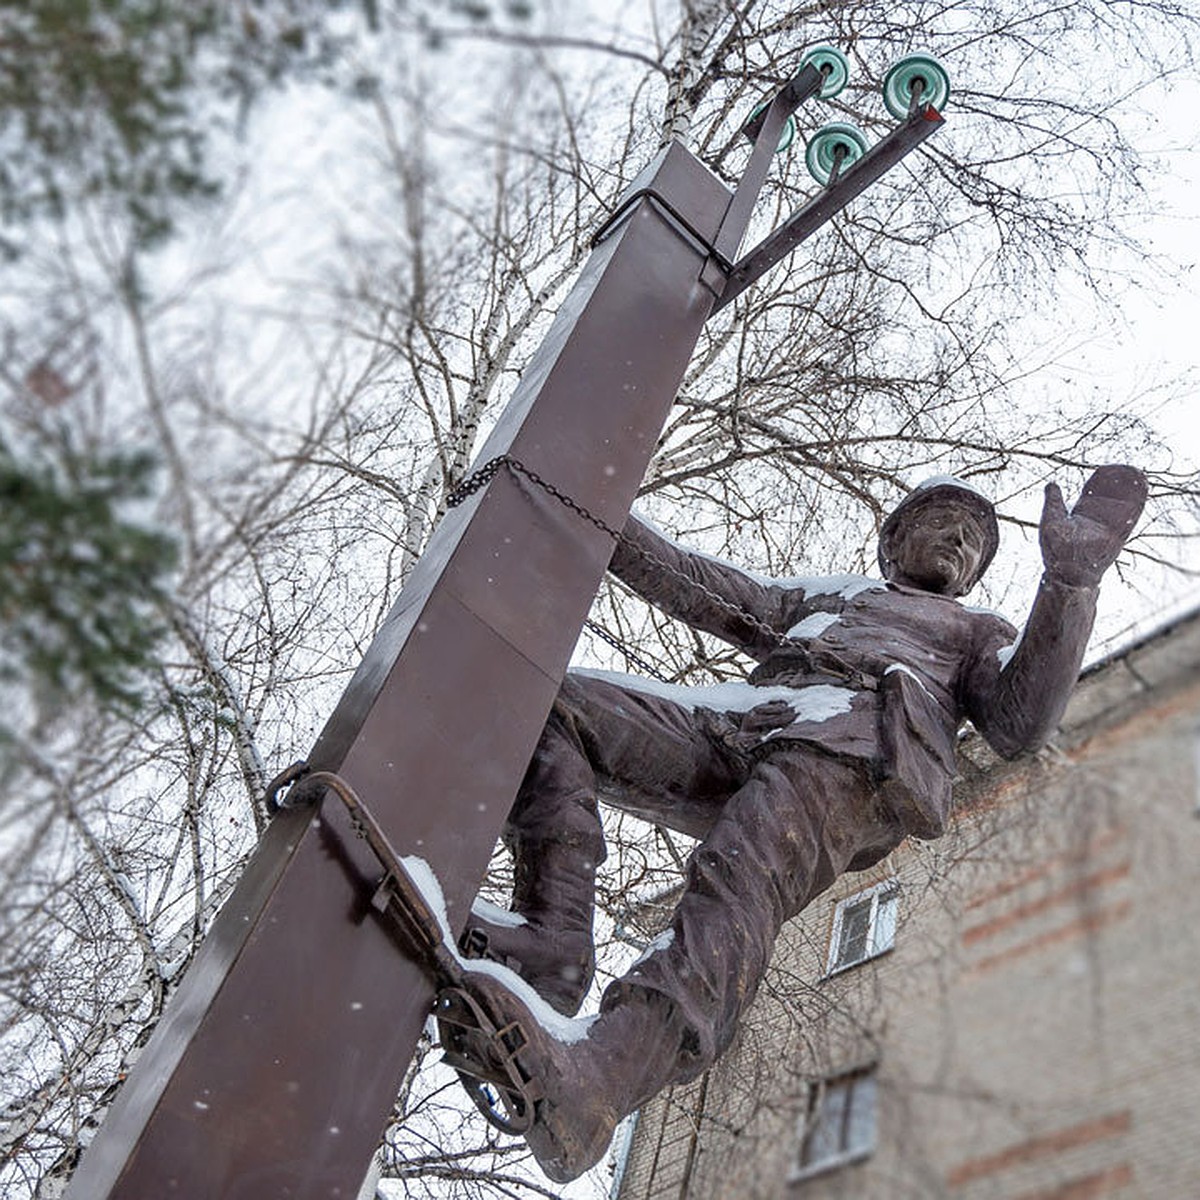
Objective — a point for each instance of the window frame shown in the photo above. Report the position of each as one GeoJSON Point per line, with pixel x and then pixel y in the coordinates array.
{"type": "Point", "coordinates": [874, 947]}
{"type": "Point", "coordinates": [861, 1087]}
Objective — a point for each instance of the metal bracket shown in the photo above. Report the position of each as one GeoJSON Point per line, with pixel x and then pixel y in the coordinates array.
{"type": "Point", "coordinates": [670, 212]}
{"type": "Point", "coordinates": [920, 124]}
{"type": "Point", "coordinates": [763, 129]}
{"type": "Point", "coordinates": [766, 128]}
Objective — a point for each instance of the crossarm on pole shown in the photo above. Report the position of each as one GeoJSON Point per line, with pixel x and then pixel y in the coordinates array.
{"type": "Point", "coordinates": [805, 221]}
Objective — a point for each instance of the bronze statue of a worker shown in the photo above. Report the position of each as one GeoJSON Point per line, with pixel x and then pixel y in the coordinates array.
{"type": "Point", "coordinates": [845, 746]}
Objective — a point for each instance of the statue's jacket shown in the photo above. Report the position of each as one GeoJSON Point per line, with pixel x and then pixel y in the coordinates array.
{"type": "Point", "coordinates": [876, 672]}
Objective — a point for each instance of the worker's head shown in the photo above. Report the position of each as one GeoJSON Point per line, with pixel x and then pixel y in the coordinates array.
{"type": "Point", "coordinates": [941, 538]}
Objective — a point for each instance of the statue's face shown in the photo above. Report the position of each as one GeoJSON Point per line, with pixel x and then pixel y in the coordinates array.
{"type": "Point", "coordinates": [938, 548]}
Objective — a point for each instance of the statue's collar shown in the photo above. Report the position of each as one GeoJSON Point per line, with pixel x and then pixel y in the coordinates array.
{"type": "Point", "coordinates": [905, 590]}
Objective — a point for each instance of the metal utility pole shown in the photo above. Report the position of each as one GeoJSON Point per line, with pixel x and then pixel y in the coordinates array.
{"type": "Point", "coordinates": [275, 1066]}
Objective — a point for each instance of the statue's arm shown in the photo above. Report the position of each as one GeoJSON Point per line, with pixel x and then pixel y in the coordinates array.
{"type": "Point", "coordinates": [704, 592]}
{"type": "Point", "coordinates": [1017, 695]}
{"type": "Point", "coordinates": [1021, 687]}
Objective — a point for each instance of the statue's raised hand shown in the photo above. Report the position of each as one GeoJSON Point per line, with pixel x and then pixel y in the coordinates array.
{"type": "Point", "coordinates": [1079, 546]}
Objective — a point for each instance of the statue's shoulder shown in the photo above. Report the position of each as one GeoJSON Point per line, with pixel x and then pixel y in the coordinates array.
{"type": "Point", "coordinates": [988, 618]}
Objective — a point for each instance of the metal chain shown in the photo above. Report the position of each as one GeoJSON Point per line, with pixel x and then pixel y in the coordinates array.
{"type": "Point", "coordinates": [480, 478]}
{"type": "Point", "coordinates": [634, 659]}
{"type": "Point", "coordinates": [489, 470]}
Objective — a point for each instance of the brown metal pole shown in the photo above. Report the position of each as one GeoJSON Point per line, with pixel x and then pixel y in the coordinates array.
{"type": "Point", "coordinates": [274, 1067]}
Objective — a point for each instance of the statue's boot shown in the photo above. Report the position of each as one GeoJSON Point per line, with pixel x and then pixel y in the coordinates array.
{"type": "Point", "coordinates": [547, 937]}
{"type": "Point", "coordinates": [578, 1078]}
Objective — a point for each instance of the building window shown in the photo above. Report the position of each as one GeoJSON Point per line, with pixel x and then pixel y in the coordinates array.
{"type": "Point", "coordinates": [864, 925]}
{"type": "Point", "coordinates": [838, 1127]}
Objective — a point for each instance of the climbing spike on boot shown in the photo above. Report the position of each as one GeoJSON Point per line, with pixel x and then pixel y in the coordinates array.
{"type": "Point", "coordinates": [557, 963]}
{"type": "Point", "coordinates": [580, 1076]}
